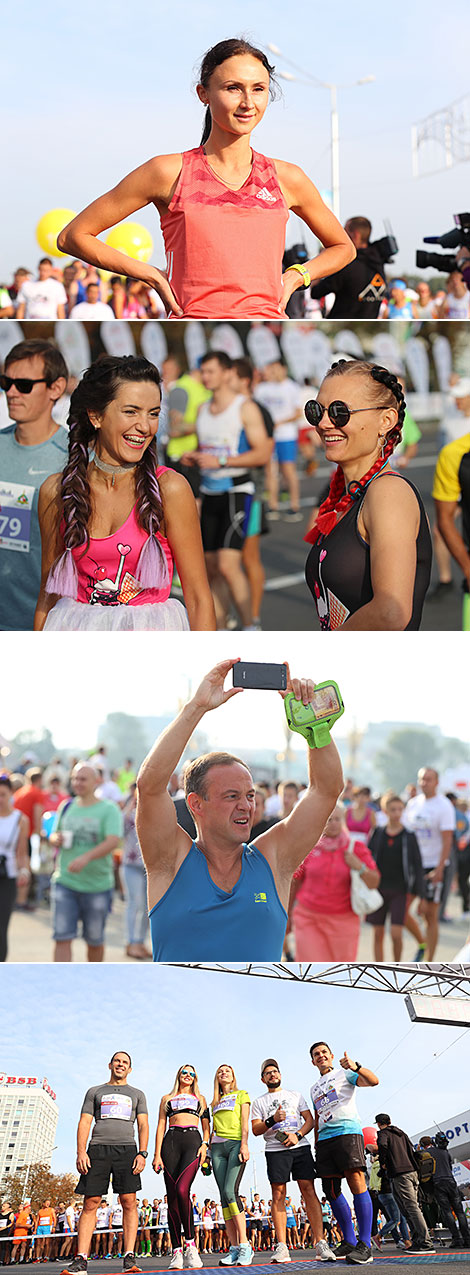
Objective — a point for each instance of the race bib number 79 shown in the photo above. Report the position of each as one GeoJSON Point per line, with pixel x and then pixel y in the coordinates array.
{"type": "Point", "coordinates": [16, 503]}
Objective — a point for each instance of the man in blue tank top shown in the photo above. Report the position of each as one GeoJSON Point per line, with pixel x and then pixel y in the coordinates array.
{"type": "Point", "coordinates": [221, 897]}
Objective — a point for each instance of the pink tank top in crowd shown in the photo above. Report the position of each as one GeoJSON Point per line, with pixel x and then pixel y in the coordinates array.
{"type": "Point", "coordinates": [224, 247]}
{"type": "Point", "coordinates": [361, 827]}
{"type": "Point", "coordinates": [106, 571]}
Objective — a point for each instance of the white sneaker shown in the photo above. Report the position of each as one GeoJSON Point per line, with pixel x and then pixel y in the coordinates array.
{"type": "Point", "coordinates": [323, 1253]}
{"type": "Point", "coordinates": [191, 1257]}
{"type": "Point", "coordinates": [176, 1263]}
{"type": "Point", "coordinates": [281, 1253]}
{"type": "Point", "coordinates": [245, 1255]}
{"type": "Point", "coordinates": [231, 1258]}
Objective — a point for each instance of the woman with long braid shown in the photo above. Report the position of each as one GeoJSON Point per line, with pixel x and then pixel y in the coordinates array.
{"type": "Point", "coordinates": [223, 207]}
{"type": "Point", "coordinates": [180, 1152]}
{"type": "Point", "coordinates": [370, 564]}
{"type": "Point", "coordinates": [114, 522]}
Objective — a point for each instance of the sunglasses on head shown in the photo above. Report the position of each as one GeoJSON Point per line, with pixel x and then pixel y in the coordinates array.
{"type": "Point", "coordinates": [22, 383]}
{"type": "Point", "coordinates": [338, 412]}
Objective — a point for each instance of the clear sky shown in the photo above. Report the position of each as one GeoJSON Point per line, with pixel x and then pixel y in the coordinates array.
{"type": "Point", "coordinates": [71, 686]}
{"type": "Point", "coordinates": [91, 92]}
{"type": "Point", "coordinates": [74, 1018]}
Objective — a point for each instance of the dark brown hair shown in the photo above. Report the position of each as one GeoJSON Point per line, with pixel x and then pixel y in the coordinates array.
{"type": "Point", "coordinates": [54, 364]}
{"type": "Point", "coordinates": [196, 773]}
{"type": "Point", "coordinates": [220, 53]}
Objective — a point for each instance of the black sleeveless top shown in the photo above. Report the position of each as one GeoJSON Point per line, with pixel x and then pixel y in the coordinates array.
{"type": "Point", "coordinates": [337, 570]}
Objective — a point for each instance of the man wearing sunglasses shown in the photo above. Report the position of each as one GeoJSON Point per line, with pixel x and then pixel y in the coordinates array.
{"type": "Point", "coordinates": [31, 448]}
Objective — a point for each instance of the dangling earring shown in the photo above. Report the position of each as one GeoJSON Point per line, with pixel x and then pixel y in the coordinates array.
{"type": "Point", "coordinates": [382, 449]}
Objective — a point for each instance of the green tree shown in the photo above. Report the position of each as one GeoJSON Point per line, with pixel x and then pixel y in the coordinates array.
{"type": "Point", "coordinates": [37, 1183]}
{"type": "Point", "coordinates": [454, 753]}
{"type": "Point", "coordinates": [405, 751]}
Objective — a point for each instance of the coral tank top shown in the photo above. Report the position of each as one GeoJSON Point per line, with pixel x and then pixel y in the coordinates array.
{"type": "Point", "coordinates": [224, 247]}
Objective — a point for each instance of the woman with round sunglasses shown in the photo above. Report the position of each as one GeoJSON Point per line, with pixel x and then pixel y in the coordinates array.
{"type": "Point", "coordinates": [230, 1155]}
{"type": "Point", "coordinates": [114, 522]}
{"type": "Point", "coordinates": [370, 564]}
{"type": "Point", "coordinates": [223, 207]}
{"type": "Point", "coordinates": [180, 1152]}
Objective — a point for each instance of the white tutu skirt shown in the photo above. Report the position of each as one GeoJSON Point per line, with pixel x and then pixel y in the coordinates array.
{"type": "Point", "coordinates": [68, 615]}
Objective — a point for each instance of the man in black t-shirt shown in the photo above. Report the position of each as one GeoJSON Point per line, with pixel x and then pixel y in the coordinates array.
{"type": "Point", "coordinates": [398, 858]}
{"type": "Point", "coordinates": [115, 1107]}
{"type": "Point", "coordinates": [360, 287]}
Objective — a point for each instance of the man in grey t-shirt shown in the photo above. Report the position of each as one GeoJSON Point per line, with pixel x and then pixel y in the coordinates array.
{"type": "Point", "coordinates": [32, 448]}
{"type": "Point", "coordinates": [114, 1106]}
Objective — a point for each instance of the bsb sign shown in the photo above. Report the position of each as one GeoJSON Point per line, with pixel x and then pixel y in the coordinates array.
{"type": "Point", "coordinates": [28, 1082]}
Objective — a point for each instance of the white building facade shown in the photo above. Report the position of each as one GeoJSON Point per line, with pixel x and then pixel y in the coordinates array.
{"type": "Point", "coordinates": [28, 1122]}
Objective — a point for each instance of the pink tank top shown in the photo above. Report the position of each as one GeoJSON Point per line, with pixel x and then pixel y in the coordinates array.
{"type": "Point", "coordinates": [106, 571]}
{"type": "Point", "coordinates": [224, 247]}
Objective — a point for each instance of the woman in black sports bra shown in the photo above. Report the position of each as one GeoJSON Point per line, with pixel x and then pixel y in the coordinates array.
{"type": "Point", "coordinates": [370, 564]}
{"type": "Point", "coordinates": [180, 1152]}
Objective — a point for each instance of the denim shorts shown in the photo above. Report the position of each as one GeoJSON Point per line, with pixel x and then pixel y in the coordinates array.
{"type": "Point", "coordinates": [71, 906]}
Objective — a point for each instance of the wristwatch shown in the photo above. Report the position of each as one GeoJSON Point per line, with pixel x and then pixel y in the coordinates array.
{"type": "Point", "coordinates": [223, 461]}
{"type": "Point", "coordinates": [358, 1067]}
{"type": "Point", "coordinates": [143, 1153]}
{"type": "Point", "coordinates": [303, 271]}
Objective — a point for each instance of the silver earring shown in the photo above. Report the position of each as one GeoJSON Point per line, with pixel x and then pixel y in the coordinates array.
{"type": "Point", "coordinates": [382, 449]}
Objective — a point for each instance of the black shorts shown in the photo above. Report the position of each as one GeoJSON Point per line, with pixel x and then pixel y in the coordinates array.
{"type": "Point", "coordinates": [295, 1162]}
{"type": "Point", "coordinates": [337, 1156]}
{"type": "Point", "coordinates": [224, 519]}
{"type": "Point", "coordinates": [394, 903]}
{"type": "Point", "coordinates": [432, 889]}
{"type": "Point", "coordinates": [110, 1162]}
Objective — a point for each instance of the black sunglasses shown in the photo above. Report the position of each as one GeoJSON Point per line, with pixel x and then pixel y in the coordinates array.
{"type": "Point", "coordinates": [22, 383]}
{"type": "Point", "coordinates": [338, 412]}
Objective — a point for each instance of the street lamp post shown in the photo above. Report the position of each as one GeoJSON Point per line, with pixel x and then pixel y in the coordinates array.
{"type": "Point", "coordinates": [334, 123]}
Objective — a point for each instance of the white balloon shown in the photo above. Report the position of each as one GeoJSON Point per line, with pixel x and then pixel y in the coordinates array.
{"type": "Point", "coordinates": [153, 343]}
{"type": "Point", "coordinates": [72, 339]}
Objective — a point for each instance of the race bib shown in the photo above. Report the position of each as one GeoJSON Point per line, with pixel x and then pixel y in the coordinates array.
{"type": "Point", "coordinates": [185, 1101]}
{"type": "Point", "coordinates": [116, 1106]}
{"type": "Point", "coordinates": [16, 504]}
{"type": "Point", "coordinates": [227, 1103]}
{"type": "Point", "coordinates": [325, 1101]}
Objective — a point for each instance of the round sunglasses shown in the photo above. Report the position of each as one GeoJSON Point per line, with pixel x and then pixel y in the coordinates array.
{"type": "Point", "coordinates": [22, 383]}
{"type": "Point", "coordinates": [338, 412]}
{"type": "Point", "coordinates": [185, 1072]}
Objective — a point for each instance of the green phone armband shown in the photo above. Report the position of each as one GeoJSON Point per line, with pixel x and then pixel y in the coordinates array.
{"type": "Point", "coordinates": [315, 720]}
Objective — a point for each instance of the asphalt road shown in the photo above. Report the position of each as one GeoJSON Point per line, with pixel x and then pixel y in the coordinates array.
{"type": "Point", "coordinates": [444, 1263]}
{"type": "Point", "coordinates": [288, 604]}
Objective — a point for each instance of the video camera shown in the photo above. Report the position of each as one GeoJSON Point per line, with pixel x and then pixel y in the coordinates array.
{"type": "Point", "coordinates": [440, 1140]}
{"type": "Point", "coordinates": [460, 237]}
{"type": "Point", "coordinates": [387, 246]}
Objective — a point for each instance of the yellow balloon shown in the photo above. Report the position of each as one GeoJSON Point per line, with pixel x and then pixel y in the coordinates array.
{"type": "Point", "coordinates": [50, 226]}
{"type": "Point", "coordinates": [132, 239]}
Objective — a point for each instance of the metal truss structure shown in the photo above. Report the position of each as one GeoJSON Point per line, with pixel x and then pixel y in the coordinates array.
{"type": "Point", "coordinates": [435, 980]}
{"type": "Point", "coordinates": [442, 139]}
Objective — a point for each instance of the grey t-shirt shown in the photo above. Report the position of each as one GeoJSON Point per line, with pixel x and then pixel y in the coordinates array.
{"type": "Point", "coordinates": [114, 1108]}
{"type": "Point", "coordinates": [22, 472]}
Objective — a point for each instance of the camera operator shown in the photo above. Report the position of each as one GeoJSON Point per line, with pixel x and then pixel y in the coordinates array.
{"type": "Point", "coordinates": [447, 1194]}
{"type": "Point", "coordinates": [360, 287]}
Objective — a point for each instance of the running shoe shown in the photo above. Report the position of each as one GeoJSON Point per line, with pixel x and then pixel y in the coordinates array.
{"type": "Point", "coordinates": [361, 1255]}
{"type": "Point", "coordinates": [323, 1253]}
{"type": "Point", "coordinates": [231, 1257]}
{"type": "Point", "coordinates": [343, 1249]}
{"type": "Point", "coordinates": [129, 1265]}
{"type": "Point", "coordinates": [273, 515]}
{"type": "Point", "coordinates": [191, 1257]}
{"type": "Point", "coordinates": [425, 1248]}
{"type": "Point", "coordinates": [281, 1253]}
{"type": "Point", "coordinates": [176, 1263]}
{"type": "Point", "coordinates": [419, 955]}
{"type": "Point", "coordinates": [293, 515]}
{"type": "Point", "coordinates": [76, 1267]}
{"type": "Point", "coordinates": [245, 1255]}
{"type": "Point", "coordinates": [375, 1239]}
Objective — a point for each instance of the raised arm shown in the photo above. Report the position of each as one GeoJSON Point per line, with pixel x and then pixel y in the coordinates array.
{"type": "Point", "coordinates": [153, 182]}
{"type": "Point", "coordinates": [163, 843]}
{"type": "Point", "coordinates": [365, 1078]}
{"type": "Point", "coordinates": [289, 841]}
{"type": "Point", "coordinates": [303, 198]}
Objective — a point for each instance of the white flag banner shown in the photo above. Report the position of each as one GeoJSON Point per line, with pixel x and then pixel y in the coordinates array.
{"type": "Point", "coordinates": [73, 343]}
{"type": "Point", "coordinates": [348, 343]}
{"type": "Point", "coordinates": [387, 353]}
{"type": "Point", "coordinates": [320, 354]}
{"type": "Point", "coordinates": [442, 356]}
{"type": "Point", "coordinates": [417, 362]}
{"type": "Point", "coordinates": [262, 345]}
{"type": "Point", "coordinates": [117, 338]}
{"type": "Point", "coordinates": [225, 337]}
{"type": "Point", "coordinates": [195, 343]}
{"type": "Point", "coordinates": [153, 343]}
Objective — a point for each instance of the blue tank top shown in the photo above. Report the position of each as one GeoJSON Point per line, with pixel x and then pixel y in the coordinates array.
{"type": "Point", "coordinates": [197, 921]}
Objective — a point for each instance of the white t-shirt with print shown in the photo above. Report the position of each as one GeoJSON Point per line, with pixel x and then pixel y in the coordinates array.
{"type": "Point", "coordinates": [42, 298]}
{"type": "Point", "coordinates": [293, 1103]}
{"type": "Point", "coordinates": [428, 817]}
{"type": "Point", "coordinates": [282, 398]}
{"type": "Point", "coordinates": [334, 1100]}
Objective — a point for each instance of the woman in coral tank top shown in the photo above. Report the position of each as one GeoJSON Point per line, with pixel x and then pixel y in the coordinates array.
{"type": "Point", "coordinates": [223, 207]}
{"type": "Point", "coordinates": [115, 521]}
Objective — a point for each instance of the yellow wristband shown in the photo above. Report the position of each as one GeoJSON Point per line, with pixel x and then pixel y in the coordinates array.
{"type": "Point", "coordinates": [303, 271]}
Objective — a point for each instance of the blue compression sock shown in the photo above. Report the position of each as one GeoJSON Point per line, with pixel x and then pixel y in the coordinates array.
{"type": "Point", "coordinates": [342, 1212]}
{"type": "Point", "coordinates": [364, 1215]}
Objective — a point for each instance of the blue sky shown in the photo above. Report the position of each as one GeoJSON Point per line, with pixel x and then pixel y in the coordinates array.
{"type": "Point", "coordinates": [93, 92]}
{"type": "Point", "coordinates": [386, 677]}
{"type": "Point", "coordinates": [74, 1018]}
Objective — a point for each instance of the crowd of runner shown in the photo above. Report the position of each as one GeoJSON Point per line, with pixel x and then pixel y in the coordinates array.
{"type": "Point", "coordinates": [416, 845]}
{"type": "Point", "coordinates": [240, 437]}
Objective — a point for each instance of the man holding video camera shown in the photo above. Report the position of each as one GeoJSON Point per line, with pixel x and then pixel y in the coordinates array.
{"type": "Point", "coordinates": [360, 288]}
{"type": "Point", "coordinates": [221, 897]}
